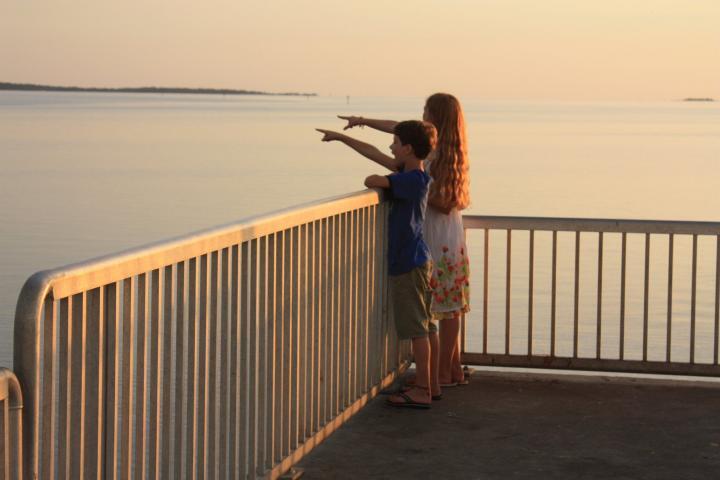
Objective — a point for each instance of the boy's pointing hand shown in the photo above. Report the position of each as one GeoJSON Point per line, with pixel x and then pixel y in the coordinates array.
{"type": "Point", "coordinates": [329, 135]}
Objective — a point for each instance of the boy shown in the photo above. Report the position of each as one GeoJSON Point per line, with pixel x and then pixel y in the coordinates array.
{"type": "Point", "coordinates": [409, 262]}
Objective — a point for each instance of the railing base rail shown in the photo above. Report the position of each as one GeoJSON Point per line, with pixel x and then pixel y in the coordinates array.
{"type": "Point", "coordinates": [591, 364]}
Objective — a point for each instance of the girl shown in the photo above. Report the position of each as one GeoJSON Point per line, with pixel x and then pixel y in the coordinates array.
{"type": "Point", "coordinates": [443, 231]}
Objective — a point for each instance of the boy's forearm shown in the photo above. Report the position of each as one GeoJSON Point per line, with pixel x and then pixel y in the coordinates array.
{"type": "Point", "coordinates": [364, 149]}
{"type": "Point", "coordinates": [369, 151]}
{"type": "Point", "coordinates": [377, 181]}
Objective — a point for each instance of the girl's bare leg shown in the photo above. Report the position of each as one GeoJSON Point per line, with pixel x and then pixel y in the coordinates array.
{"type": "Point", "coordinates": [450, 369]}
{"type": "Point", "coordinates": [434, 363]}
{"type": "Point", "coordinates": [456, 367]}
{"type": "Point", "coordinates": [449, 331]}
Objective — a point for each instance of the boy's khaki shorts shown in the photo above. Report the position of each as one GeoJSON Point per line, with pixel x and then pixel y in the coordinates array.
{"type": "Point", "coordinates": [411, 296]}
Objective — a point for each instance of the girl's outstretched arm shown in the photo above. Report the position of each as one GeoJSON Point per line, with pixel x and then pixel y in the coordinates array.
{"type": "Point", "coordinates": [386, 126]}
{"type": "Point", "coordinates": [364, 149]}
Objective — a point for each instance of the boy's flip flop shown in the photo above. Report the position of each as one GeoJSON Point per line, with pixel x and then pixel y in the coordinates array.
{"type": "Point", "coordinates": [407, 402]}
{"type": "Point", "coordinates": [406, 388]}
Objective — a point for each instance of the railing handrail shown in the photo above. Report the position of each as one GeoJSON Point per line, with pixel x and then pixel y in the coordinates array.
{"type": "Point", "coordinates": [11, 393]}
{"type": "Point", "coordinates": [591, 225]}
{"type": "Point", "coordinates": [10, 389]}
{"type": "Point", "coordinates": [68, 280]}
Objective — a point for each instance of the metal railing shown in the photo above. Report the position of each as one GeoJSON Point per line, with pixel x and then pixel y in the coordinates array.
{"type": "Point", "coordinates": [232, 352]}
{"type": "Point", "coordinates": [11, 404]}
{"type": "Point", "coordinates": [225, 354]}
{"type": "Point", "coordinates": [642, 312]}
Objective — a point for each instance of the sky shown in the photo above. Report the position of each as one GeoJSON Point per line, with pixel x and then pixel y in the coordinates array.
{"type": "Point", "coordinates": [576, 50]}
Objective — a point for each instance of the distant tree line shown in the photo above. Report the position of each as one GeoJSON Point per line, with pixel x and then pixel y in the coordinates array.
{"type": "Point", "coordinates": [208, 91]}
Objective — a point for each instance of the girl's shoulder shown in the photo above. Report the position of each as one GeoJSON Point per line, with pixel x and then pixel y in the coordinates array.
{"type": "Point", "coordinates": [429, 160]}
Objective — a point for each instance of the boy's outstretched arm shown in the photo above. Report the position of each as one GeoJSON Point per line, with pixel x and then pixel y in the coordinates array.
{"type": "Point", "coordinates": [387, 126]}
{"type": "Point", "coordinates": [364, 149]}
{"type": "Point", "coordinates": [377, 181]}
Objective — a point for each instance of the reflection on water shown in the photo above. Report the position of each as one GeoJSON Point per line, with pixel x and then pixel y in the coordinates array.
{"type": "Point", "coordinates": [84, 175]}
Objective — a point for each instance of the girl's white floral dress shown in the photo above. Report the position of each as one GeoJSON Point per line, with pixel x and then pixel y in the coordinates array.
{"type": "Point", "coordinates": [450, 281]}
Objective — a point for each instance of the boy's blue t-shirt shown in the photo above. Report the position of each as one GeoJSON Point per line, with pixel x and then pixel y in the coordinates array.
{"type": "Point", "coordinates": [407, 249]}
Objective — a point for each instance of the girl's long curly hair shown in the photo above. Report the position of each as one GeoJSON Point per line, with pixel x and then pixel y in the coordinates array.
{"type": "Point", "coordinates": [450, 163]}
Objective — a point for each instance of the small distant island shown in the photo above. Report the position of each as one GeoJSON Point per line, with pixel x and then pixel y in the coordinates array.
{"type": "Point", "coordinates": [207, 91]}
{"type": "Point", "coordinates": [698, 99]}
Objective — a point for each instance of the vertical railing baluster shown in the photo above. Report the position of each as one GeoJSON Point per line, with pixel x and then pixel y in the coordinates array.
{"type": "Point", "coordinates": [287, 341]}
{"type": "Point", "coordinates": [181, 374]}
{"type": "Point", "coordinates": [63, 382]}
{"type": "Point", "coordinates": [344, 301]}
{"type": "Point", "coordinates": [576, 295]}
{"type": "Point", "coordinates": [374, 296]}
{"type": "Point", "coordinates": [623, 267]}
{"type": "Point", "coordinates": [668, 343]}
{"type": "Point", "coordinates": [76, 398]}
{"type": "Point", "coordinates": [531, 277]}
{"type": "Point", "coordinates": [335, 351]}
{"type": "Point", "coordinates": [47, 423]}
{"type": "Point", "coordinates": [508, 292]}
{"type": "Point", "coordinates": [129, 373]}
{"type": "Point", "coordinates": [243, 346]}
{"type": "Point", "coordinates": [113, 389]}
{"type": "Point", "coordinates": [646, 295]}
{"type": "Point", "coordinates": [151, 375]}
{"type": "Point", "coordinates": [318, 317]}
{"type": "Point", "coordinates": [168, 412]}
{"type": "Point", "coordinates": [279, 358]}
{"type": "Point", "coordinates": [355, 301]}
{"type": "Point", "coordinates": [598, 332]}
{"type": "Point", "coordinates": [143, 334]}
{"type": "Point", "coordinates": [553, 299]}
{"type": "Point", "coordinates": [263, 369]}
{"type": "Point", "coordinates": [327, 317]}
{"type": "Point", "coordinates": [213, 395]}
{"type": "Point", "coordinates": [270, 345]}
{"type": "Point", "coordinates": [294, 371]}
{"type": "Point", "coordinates": [302, 320]}
{"type": "Point", "coordinates": [224, 466]}
{"type": "Point", "coordinates": [193, 358]}
{"type": "Point", "coordinates": [486, 276]}
{"type": "Point", "coordinates": [693, 299]}
{"type": "Point", "coordinates": [365, 280]}
{"type": "Point", "coordinates": [312, 394]}
{"type": "Point", "coordinates": [93, 383]}
{"type": "Point", "coordinates": [716, 331]}
{"type": "Point", "coordinates": [386, 312]}
{"type": "Point", "coordinates": [154, 376]}
{"type": "Point", "coordinates": [252, 356]}
{"type": "Point", "coordinates": [204, 351]}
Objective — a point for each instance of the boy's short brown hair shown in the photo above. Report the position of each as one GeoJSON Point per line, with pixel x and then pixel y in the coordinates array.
{"type": "Point", "coordinates": [421, 136]}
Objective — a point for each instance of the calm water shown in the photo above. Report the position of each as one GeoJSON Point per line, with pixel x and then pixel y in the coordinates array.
{"type": "Point", "coordinates": [83, 175]}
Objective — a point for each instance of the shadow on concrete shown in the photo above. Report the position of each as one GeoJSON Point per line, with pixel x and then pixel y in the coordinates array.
{"type": "Point", "coordinates": [530, 426]}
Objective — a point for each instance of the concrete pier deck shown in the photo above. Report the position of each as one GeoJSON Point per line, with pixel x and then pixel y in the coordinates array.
{"type": "Point", "coordinates": [534, 426]}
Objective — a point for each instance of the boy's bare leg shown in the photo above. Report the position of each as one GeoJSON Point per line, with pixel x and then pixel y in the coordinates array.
{"type": "Point", "coordinates": [450, 370]}
{"type": "Point", "coordinates": [435, 389]}
{"type": "Point", "coordinates": [419, 392]}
